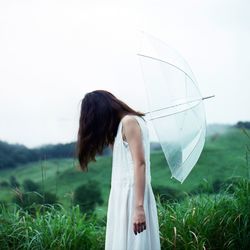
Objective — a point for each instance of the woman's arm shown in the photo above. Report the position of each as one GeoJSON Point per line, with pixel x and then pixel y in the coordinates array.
{"type": "Point", "coordinates": [133, 136]}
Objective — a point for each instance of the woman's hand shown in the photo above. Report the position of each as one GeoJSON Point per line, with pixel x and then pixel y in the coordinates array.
{"type": "Point", "coordinates": [139, 219]}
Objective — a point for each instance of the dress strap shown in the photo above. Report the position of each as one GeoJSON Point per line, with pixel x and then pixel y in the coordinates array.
{"type": "Point", "coordinates": [138, 118]}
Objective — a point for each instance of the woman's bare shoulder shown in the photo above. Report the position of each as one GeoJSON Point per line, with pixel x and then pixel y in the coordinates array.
{"type": "Point", "coordinates": [129, 120]}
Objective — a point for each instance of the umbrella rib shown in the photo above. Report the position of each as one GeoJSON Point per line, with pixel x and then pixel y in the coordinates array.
{"type": "Point", "coordinates": [200, 99]}
{"type": "Point", "coordinates": [192, 149]}
{"type": "Point", "coordinates": [174, 112]}
{"type": "Point", "coordinates": [160, 60]}
{"type": "Point", "coordinates": [172, 106]}
{"type": "Point", "coordinates": [194, 146]}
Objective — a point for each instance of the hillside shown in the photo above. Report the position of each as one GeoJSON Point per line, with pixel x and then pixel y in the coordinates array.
{"type": "Point", "coordinates": [223, 157]}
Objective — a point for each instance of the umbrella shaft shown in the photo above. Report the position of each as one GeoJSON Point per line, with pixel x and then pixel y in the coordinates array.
{"type": "Point", "coordinates": [172, 106]}
{"type": "Point", "coordinates": [172, 113]}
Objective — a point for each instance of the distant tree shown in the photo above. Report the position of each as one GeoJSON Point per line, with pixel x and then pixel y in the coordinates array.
{"type": "Point", "coordinates": [13, 182]}
{"type": "Point", "coordinates": [11, 155]}
{"type": "Point", "coordinates": [4, 184]}
{"type": "Point", "coordinates": [49, 198]}
{"type": "Point", "coordinates": [106, 151]}
{"type": "Point", "coordinates": [87, 196]}
{"type": "Point", "coordinates": [154, 146]}
{"type": "Point", "coordinates": [5, 158]}
{"type": "Point", "coordinates": [30, 186]}
{"type": "Point", "coordinates": [215, 136]}
{"type": "Point", "coordinates": [55, 151]}
{"type": "Point", "coordinates": [241, 124]}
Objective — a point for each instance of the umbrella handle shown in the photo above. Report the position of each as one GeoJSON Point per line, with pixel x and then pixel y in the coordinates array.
{"type": "Point", "coordinates": [208, 97]}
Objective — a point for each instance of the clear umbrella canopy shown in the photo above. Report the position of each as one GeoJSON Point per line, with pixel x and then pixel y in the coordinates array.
{"type": "Point", "coordinates": [176, 107]}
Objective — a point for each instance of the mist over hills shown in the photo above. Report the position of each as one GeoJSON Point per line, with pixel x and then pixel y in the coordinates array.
{"type": "Point", "coordinates": [11, 155]}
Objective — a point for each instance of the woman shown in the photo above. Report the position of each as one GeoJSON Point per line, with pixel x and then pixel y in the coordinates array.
{"type": "Point", "coordinates": [132, 220]}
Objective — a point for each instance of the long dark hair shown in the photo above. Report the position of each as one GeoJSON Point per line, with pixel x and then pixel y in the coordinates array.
{"type": "Point", "coordinates": [100, 116]}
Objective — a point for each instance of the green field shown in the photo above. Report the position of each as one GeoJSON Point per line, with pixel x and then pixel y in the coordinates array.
{"type": "Point", "coordinates": [224, 156]}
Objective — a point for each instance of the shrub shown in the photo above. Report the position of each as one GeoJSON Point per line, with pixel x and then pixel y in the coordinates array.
{"type": "Point", "coordinates": [4, 184]}
{"type": "Point", "coordinates": [30, 186]}
{"type": "Point", "coordinates": [167, 193]}
{"type": "Point", "coordinates": [30, 201]}
{"type": "Point", "coordinates": [87, 196]}
{"type": "Point", "coordinates": [13, 182]}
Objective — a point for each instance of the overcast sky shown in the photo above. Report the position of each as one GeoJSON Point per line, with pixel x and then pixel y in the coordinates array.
{"type": "Point", "coordinates": [53, 52]}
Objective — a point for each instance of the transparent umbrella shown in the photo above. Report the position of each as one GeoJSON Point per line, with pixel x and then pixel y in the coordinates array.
{"type": "Point", "coordinates": [175, 104]}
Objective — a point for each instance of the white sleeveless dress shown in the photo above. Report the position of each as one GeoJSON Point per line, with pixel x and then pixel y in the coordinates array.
{"type": "Point", "coordinates": [119, 226]}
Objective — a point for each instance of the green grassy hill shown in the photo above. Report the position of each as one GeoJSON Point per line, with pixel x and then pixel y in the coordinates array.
{"type": "Point", "coordinates": [223, 157]}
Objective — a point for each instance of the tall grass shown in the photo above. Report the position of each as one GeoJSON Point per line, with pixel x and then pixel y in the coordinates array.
{"type": "Point", "coordinates": [205, 221]}
{"type": "Point", "coordinates": [219, 221]}
{"type": "Point", "coordinates": [54, 229]}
